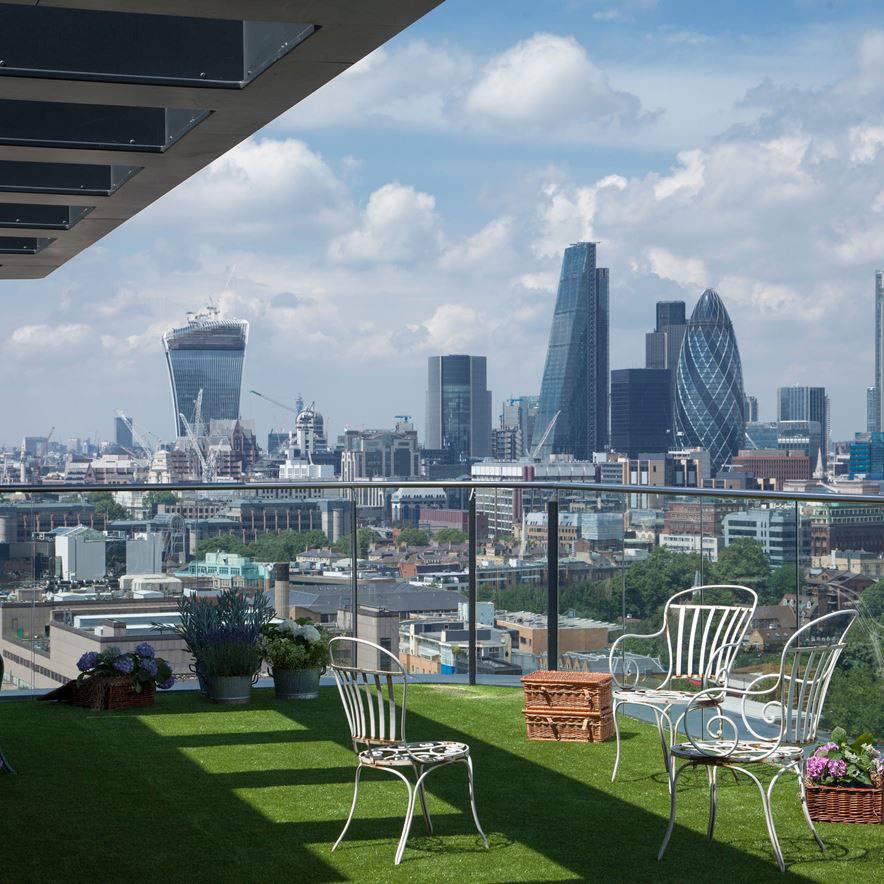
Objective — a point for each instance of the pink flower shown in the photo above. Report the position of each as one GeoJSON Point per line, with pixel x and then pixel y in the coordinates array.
{"type": "Point", "coordinates": [837, 768]}
{"type": "Point", "coordinates": [816, 767]}
{"type": "Point", "coordinates": [826, 748]}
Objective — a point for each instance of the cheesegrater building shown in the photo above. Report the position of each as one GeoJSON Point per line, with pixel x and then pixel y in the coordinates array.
{"type": "Point", "coordinates": [574, 391]}
{"type": "Point", "coordinates": [207, 354]}
{"type": "Point", "coordinates": [709, 384]}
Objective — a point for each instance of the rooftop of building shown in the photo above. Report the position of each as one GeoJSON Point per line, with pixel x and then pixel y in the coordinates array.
{"type": "Point", "coordinates": [539, 621]}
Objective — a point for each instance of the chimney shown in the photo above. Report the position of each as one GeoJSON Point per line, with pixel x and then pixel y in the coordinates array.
{"type": "Point", "coordinates": [281, 589]}
{"type": "Point", "coordinates": [115, 628]}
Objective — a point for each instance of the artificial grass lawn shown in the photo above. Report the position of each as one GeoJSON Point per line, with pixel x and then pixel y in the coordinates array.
{"type": "Point", "coordinates": [188, 791]}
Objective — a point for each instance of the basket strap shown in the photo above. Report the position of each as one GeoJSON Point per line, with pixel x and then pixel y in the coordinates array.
{"type": "Point", "coordinates": [551, 722]}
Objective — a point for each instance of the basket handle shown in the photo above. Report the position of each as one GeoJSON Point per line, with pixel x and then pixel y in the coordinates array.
{"type": "Point", "coordinates": [551, 722]}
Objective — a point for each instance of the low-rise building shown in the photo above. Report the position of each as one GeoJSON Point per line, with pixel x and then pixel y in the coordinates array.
{"type": "Point", "coordinates": [774, 528]}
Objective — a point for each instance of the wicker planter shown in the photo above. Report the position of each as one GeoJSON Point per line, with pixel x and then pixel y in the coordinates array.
{"type": "Point", "coordinates": [590, 691]}
{"type": "Point", "coordinates": [104, 693]}
{"type": "Point", "coordinates": [568, 726]}
{"type": "Point", "coordinates": [845, 804]}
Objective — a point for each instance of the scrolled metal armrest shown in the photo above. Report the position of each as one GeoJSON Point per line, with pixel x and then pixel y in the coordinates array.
{"type": "Point", "coordinates": [717, 653]}
{"type": "Point", "coordinates": [617, 682]}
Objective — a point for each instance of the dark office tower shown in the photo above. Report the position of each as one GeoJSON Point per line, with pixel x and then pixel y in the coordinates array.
{"type": "Point", "coordinates": [806, 404]}
{"type": "Point", "coordinates": [641, 411]}
{"type": "Point", "coordinates": [709, 384]}
{"type": "Point", "coordinates": [207, 354]}
{"type": "Point", "coordinates": [575, 378]}
{"type": "Point", "coordinates": [122, 432]}
{"type": "Point", "coordinates": [871, 410]}
{"type": "Point", "coordinates": [878, 414]}
{"type": "Point", "coordinates": [458, 406]}
{"type": "Point", "coordinates": [662, 345]}
{"type": "Point", "coordinates": [750, 409]}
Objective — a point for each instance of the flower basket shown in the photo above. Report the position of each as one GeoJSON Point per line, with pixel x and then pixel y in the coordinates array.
{"type": "Point", "coordinates": [113, 693]}
{"type": "Point", "coordinates": [844, 804]}
{"type": "Point", "coordinates": [569, 690]}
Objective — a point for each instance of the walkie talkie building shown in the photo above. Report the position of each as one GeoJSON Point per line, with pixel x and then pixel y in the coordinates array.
{"type": "Point", "coordinates": [709, 384]}
{"type": "Point", "coordinates": [206, 354]}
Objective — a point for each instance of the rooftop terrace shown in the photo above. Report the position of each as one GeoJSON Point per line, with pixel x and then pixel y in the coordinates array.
{"type": "Point", "coordinates": [261, 793]}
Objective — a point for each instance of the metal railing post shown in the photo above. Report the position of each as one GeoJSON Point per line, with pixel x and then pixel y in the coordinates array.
{"type": "Point", "coordinates": [797, 567]}
{"type": "Point", "coordinates": [471, 597]}
{"type": "Point", "coordinates": [354, 564]}
{"type": "Point", "coordinates": [552, 583]}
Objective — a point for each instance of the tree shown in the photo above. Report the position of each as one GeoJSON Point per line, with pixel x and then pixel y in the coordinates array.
{"type": "Point", "coordinates": [364, 538]}
{"type": "Point", "coordinates": [781, 582]}
{"type": "Point", "coordinates": [649, 583]}
{"type": "Point", "coordinates": [450, 535]}
{"type": "Point", "coordinates": [872, 599]}
{"type": "Point", "coordinates": [228, 543]}
{"type": "Point", "coordinates": [153, 499]}
{"type": "Point", "coordinates": [104, 503]}
{"type": "Point", "coordinates": [413, 537]}
{"type": "Point", "coordinates": [743, 562]}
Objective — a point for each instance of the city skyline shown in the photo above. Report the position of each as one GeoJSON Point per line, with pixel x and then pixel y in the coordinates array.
{"type": "Point", "coordinates": [397, 214]}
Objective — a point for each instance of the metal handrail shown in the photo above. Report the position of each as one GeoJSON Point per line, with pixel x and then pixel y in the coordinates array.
{"type": "Point", "coordinates": [665, 490]}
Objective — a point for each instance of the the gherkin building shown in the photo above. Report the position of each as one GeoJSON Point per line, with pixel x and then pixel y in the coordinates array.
{"type": "Point", "coordinates": [709, 384]}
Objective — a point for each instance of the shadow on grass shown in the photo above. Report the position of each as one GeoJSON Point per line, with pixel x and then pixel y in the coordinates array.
{"type": "Point", "coordinates": [135, 793]}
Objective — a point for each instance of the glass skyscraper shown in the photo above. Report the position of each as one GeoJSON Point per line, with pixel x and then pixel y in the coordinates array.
{"type": "Point", "coordinates": [874, 415]}
{"type": "Point", "coordinates": [207, 354]}
{"type": "Point", "coordinates": [709, 384]}
{"type": "Point", "coordinates": [806, 404]}
{"type": "Point", "coordinates": [576, 377]}
{"type": "Point", "coordinates": [458, 406]}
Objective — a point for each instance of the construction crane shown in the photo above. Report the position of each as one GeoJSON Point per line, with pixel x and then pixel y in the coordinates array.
{"type": "Point", "coordinates": [275, 402]}
{"type": "Point", "coordinates": [205, 469]}
{"type": "Point", "coordinates": [139, 439]}
{"type": "Point", "coordinates": [536, 452]}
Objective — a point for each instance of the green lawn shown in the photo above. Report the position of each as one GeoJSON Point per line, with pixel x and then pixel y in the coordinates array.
{"type": "Point", "coordinates": [188, 791]}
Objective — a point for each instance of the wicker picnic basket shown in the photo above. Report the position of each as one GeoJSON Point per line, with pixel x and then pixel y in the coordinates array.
{"type": "Point", "coordinates": [568, 725]}
{"type": "Point", "coordinates": [845, 804]}
{"type": "Point", "coordinates": [105, 693]}
{"type": "Point", "coordinates": [590, 691]}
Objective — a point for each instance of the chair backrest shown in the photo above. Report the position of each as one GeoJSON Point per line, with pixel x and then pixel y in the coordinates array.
{"type": "Point", "coordinates": [806, 668]}
{"type": "Point", "coordinates": [703, 639]}
{"type": "Point", "coordinates": [368, 693]}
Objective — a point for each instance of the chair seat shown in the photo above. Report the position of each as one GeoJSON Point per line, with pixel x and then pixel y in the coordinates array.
{"type": "Point", "coordinates": [400, 754]}
{"type": "Point", "coordinates": [745, 752]}
{"type": "Point", "coordinates": [651, 697]}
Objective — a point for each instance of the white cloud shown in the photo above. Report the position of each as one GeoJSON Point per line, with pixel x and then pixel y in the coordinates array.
{"type": "Point", "coordinates": [492, 241]}
{"type": "Point", "coordinates": [398, 224]}
{"type": "Point", "coordinates": [51, 337]}
{"type": "Point", "coordinates": [687, 180]}
{"type": "Point", "coordinates": [550, 81]}
{"type": "Point", "coordinates": [684, 271]}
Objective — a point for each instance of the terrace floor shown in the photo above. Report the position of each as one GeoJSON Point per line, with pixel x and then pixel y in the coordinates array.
{"type": "Point", "coordinates": [190, 791]}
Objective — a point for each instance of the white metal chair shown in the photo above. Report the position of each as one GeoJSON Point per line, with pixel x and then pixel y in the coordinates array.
{"type": "Point", "coordinates": [702, 641]}
{"type": "Point", "coordinates": [796, 695]}
{"type": "Point", "coordinates": [379, 738]}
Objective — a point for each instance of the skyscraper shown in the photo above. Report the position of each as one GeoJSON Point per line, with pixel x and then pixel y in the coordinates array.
{"type": "Point", "coordinates": [206, 354]}
{"type": "Point", "coordinates": [641, 411]}
{"type": "Point", "coordinates": [520, 413]}
{"type": "Point", "coordinates": [871, 410]}
{"type": "Point", "coordinates": [663, 345]}
{"type": "Point", "coordinates": [750, 410]}
{"type": "Point", "coordinates": [709, 384]}
{"type": "Point", "coordinates": [458, 406]}
{"type": "Point", "coordinates": [576, 377]}
{"type": "Point", "coordinates": [806, 404]}
{"type": "Point", "coordinates": [879, 350]}
{"type": "Point", "coordinates": [123, 432]}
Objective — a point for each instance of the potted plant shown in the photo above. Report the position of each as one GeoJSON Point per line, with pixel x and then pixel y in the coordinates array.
{"type": "Point", "coordinates": [229, 654]}
{"type": "Point", "coordinates": [114, 679]}
{"type": "Point", "coordinates": [198, 621]}
{"type": "Point", "coordinates": [297, 652]}
{"type": "Point", "coordinates": [845, 781]}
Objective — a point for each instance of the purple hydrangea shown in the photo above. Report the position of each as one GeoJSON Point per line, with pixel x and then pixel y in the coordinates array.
{"type": "Point", "coordinates": [149, 667]}
{"type": "Point", "coordinates": [827, 747]}
{"type": "Point", "coordinates": [124, 665]}
{"type": "Point", "coordinates": [144, 650]}
{"type": "Point", "coordinates": [837, 768]}
{"type": "Point", "coordinates": [165, 685]}
{"type": "Point", "coordinates": [816, 767]}
{"type": "Point", "coordinates": [87, 661]}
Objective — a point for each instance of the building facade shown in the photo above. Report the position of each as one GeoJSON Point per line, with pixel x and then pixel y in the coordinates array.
{"type": "Point", "coordinates": [806, 404]}
{"type": "Point", "coordinates": [574, 391]}
{"type": "Point", "coordinates": [520, 413]}
{"type": "Point", "coordinates": [774, 529]}
{"type": "Point", "coordinates": [371, 454]}
{"type": "Point", "coordinates": [709, 384]}
{"type": "Point", "coordinates": [459, 406]}
{"type": "Point", "coordinates": [641, 410]}
{"type": "Point", "coordinates": [206, 355]}
{"type": "Point", "coordinates": [879, 352]}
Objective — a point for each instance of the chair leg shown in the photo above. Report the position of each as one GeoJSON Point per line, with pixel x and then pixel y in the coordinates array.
{"type": "Point", "coordinates": [352, 808]}
{"type": "Point", "coordinates": [422, 794]}
{"type": "Point", "coordinates": [5, 766]}
{"type": "Point", "coordinates": [665, 745]}
{"type": "Point", "coordinates": [674, 781]}
{"type": "Point", "coordinates": [797, 768]}
{"type": "Point", "coordinates": [617, 737]}
{"type": "Point", "coordinates": [768, 816]}
{"type": "Point", "coordinates": [469, 763]}
{"type": "Point", "coordinates": [409, 815]}
{"type": "Point", "coordinates": [712, 772]}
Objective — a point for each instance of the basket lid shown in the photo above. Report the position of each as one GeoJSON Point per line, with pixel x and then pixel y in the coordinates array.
{"type": "Point", "coordinates": [542, 676]}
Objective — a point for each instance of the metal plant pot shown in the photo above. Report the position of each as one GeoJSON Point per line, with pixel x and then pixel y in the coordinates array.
{"type": "Point", "coordinates": [230, 690]}
{"type": "Point", "coordinates": [296, 684]}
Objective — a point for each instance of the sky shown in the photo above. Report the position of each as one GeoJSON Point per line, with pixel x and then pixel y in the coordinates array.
{"type": "Point", "coordinates": [419, 205]}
